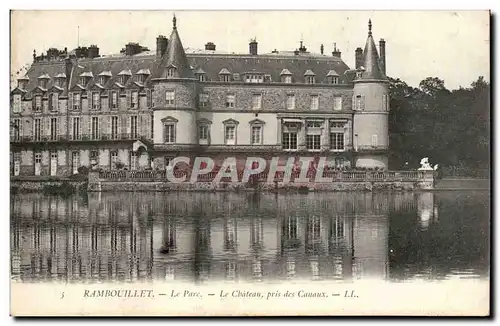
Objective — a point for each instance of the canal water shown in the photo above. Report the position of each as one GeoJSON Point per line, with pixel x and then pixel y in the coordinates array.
{"type": "Point", "coordinates": [247, 237]}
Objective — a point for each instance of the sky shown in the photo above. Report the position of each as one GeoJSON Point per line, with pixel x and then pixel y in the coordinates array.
{"type": "Point", "coordinates": [451, 45]}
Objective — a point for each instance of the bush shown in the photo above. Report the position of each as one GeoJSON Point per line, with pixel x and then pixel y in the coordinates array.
{"type": "Point", "coordinates": [83, 170]}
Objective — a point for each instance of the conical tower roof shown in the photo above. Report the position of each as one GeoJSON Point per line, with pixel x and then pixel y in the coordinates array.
{"type": "Point", "coordinates": [175, 57]}
{"type": "Point", "coordinates": [371, 58]}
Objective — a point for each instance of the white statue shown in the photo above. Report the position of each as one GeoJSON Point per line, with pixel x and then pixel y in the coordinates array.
{"type": "Point", "coordinates": [425, 165]}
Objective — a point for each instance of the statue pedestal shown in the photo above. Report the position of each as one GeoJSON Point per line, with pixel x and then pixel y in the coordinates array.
{"type": "Point", "coordinates": [94, 183]}
{"type": "Point", "coordinates": [427, 181]}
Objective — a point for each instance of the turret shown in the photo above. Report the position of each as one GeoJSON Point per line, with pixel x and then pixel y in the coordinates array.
{"type": "Point", "coordinates": [175, 106]}
{"type": "Point", "coordinates": [371, 110]}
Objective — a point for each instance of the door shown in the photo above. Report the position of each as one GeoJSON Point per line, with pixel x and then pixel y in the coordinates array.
{"type": "Point", "coordinates": [17, 167]}
{"type": "Point", "coordinates": [53, 164]}
{"type": "Point", "coordinates": [38, 163]}
{"type": "Point", "coordinates": [75, 159]}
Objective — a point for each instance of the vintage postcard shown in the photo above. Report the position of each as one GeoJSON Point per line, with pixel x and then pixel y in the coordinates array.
{"type": "Point", "coordinates": [250, 163]}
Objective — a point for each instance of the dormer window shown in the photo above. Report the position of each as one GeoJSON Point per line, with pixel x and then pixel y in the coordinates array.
{"type": "Point", "coordinates": [85, 78]}
{"type": "Point", "coordinates": [171, 71]}
{"type": "Point", "coordinates": [142, 75]}
{"type": "Point", "coordinates": [200, 75]}
{"type": "Point", "coordinates": [286, 76]}
{"type": "Point", "coordinates": [104, 77]}
{"type": "Point", "coordinates": [43, 80]}
{"type": "Point", "coordinates": [225, 75]}
{"type": "Point", "coordinates": [359, 72]}
{"type": "Point", "coordinates": [332, 77]}
{"type": "Point", "coordinates": [310, 77]}
{"type": "Point", "coordinates": [22, 83]}
{"type": "Point", "coordinates": [123, 76]}
{"type": "Point", "coordinates": [140, 78]}
{"type": "Point", "coordinates": [60, 80]}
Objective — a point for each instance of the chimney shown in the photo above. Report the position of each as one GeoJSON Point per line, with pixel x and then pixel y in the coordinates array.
{"type": "Point", "coordinates": [359, 57]}
{"type": "Point", "coordinates": [322, 48]}
{"type": "Point", "coordinates": [382, 55]}
{"type": "Point", "coordinates": [336, 52]}
{"type": "Point", "coordinates": [210, 46]}
{"type": "Point", "coordinates": [253, 46]}
{"type": "Point", "coordinates": [68, 69]}
{"type": "Point", "coordinates": [161, 45]}
{"type": "Point", "coordinates": [93, 51]}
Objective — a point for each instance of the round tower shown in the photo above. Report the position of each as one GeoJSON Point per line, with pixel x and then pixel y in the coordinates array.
{"type": "Point", "coordinates": [371, 110]}
{"type": "Point", "coordinates": [174, 96]}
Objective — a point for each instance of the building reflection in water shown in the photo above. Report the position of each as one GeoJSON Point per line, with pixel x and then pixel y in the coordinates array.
{"type": "Point", "coordinates": [200, 237]}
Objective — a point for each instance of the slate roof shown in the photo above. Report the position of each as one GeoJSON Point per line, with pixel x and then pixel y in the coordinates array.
{"type": "Point", "coordinates": [371, 59]}
{"type": "Point", "coordinates": [212, 64]}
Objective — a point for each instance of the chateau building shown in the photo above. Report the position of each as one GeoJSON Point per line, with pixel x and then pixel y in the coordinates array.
{"type": "Point", "coordinates": [139, 109]}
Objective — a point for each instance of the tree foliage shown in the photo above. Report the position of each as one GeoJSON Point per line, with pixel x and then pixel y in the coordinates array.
{"type": "Point", "coordinates": [452, 128]}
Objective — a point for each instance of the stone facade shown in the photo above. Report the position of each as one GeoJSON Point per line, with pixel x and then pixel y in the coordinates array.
{"type": "Point", "coordinates": [138, 111]}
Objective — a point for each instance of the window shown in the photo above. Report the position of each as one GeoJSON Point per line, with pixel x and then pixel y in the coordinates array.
{"type": "Point", "coordinates": [96, 101]}
{"type": "Point", "coordinates": [102, 80]}
{"type": "Point", "coordinates": [203, 132]}
{"type": "Point", "coordinates": [133, 127]}
{"type": "Point", "coordinates": [54, 101]}
{"type": "Point", "coordinates": [257, 101]}
{"type": "Point", "coordinates": [16, 103]}
{"type": "Point", "coordinates": [225, 78]}
{"type": "Point", "coordinates": [358, 103]}
{"type": "Point", "coordinates": [333, 80]}
{"type": "Point", "coordinates": [171, 72]}
{"type": "Point", "coordinates": [148, 98]}
{"type": "Point", "coordinates": [140, 78]}
{"type": "Point", "coordinates": [83, 81]}
{"type": "Point", "coordinates": [113, 159]}
{"type": "Point", "coordinates": [169, 133]}
{"type": "Point", "coordinates": [95, 128]}
{"type": "Point", "coordinates": [230, 99]}
{"type": "Point", "coordinates": [75, 135]}
{"type": "Point", "coordinates": [38, 103]}
{"type": "Point", "coordinates": [53, 128]}
{"type": "Point", "coordinates": [114, 127]}
{"type": "Point", "coordinates": [203, 100]}
{"type": "Point", "coordinates": [374, 140]}
{"type": "Point", "coordinates": [289, 140]}
{"type": "Point", "coordinates": [290, 101]}
{"type": "Point", "coordinates": [168, 159]}
{"type": "Point", "coordinates": [287, 79]}
{"type": "Point", "coordinates": [310, 79]}
{"type": "Point", "coordinates": [359, 74]}
{"type": "Point", "coordinates": [17, 130]}
{"type": "Point", "coordinates": [337, 103]}
{"type": "Point", "coordinates": [385, 102]}
{"type": "Point", "coordinates": [170, 96]}
{"type": "Point", "coordinates": [254, 78]}
{"type": "Point", "coordinates": [256, 137]}
{"type": "Point", "coordinates": [37, 129]}
{"type": "Point", "coordinates": [313, 142]}
{"type": "Point", "coordinates": [133, 161]}
{"type": "Point", "coordinates": [122, 79]}
{"type": "Point", "coordinates": [114, 100]}
{"type": "Point", "coordinates": [337, 141]}
{"type": "Point", "coordinates": [202, 77]}
{"type": "Point", "coordinates": [135, 100]}
{"type": "Point", "coordinates": [230, 135]}
{"type": "Point", "coordinates": [77, 101]}
{"type": "Point", "coordinates": [314, 102]}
